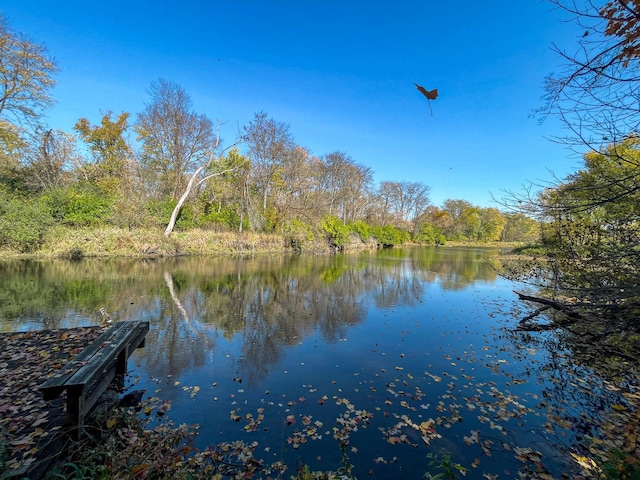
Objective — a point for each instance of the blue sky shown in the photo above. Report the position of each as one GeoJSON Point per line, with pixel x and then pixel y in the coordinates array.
{"type": "Point", "coordinates": [340, 73]}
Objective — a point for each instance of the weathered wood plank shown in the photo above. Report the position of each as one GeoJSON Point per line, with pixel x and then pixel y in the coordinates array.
{"type": "Point", "coordinates": [105, 357]}
{"type": "Point", "coordinates": [91, 371]}
{"type": "Point", "coordinates": [85, 387]}
{"type": "Point", "coordinates": [54, 386]}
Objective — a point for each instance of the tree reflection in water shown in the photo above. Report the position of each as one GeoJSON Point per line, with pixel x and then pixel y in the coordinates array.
{"type": "Point", "coordinates": [408, 332]}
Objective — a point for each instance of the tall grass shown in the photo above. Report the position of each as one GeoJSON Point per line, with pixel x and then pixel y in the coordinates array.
{"type": "Point", "coordinates": [119, 242]}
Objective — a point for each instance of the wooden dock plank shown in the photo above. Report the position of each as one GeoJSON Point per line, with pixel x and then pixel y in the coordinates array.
{"type": "Point", "coordinates": [54, 386]}
{"type": "Point", "coordinates": [91, 372]}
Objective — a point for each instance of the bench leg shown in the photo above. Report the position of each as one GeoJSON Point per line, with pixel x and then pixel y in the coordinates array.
{"type": "Point", "coordinates": [75, 410]}
{"type": "Point", "coordinates": [121, 362]}
{"type": "Point", "coordinates": [136, 342]}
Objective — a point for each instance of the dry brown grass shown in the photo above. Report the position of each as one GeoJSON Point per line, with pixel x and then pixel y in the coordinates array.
{"type": "Point", "coordinates": [117, 242]}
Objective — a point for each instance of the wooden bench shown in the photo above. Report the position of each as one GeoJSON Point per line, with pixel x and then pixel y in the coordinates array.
{"type": "Point", "coordinates": [90, 372]}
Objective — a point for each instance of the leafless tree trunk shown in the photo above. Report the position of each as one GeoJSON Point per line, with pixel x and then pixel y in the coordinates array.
{"type": "Point", "coordinates": [183, 198]}
{"type": "Point", "coordinates": [194, 182]}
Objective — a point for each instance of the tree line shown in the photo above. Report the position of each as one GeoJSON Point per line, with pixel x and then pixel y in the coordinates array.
{"type": "Point", "coordinates": [176, 173]}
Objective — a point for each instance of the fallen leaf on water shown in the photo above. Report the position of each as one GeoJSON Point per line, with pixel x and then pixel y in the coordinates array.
{"type": "Point", "coordinates": [584, 462]}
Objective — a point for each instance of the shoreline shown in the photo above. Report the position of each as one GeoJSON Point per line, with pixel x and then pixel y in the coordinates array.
{"type": "Point", "coordinates": [75, 244]}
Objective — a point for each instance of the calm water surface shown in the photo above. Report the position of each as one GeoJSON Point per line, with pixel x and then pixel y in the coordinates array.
{"type": "Point", "coordinates": [421, 338]}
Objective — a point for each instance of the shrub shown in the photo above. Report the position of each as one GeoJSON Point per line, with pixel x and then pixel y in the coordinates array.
{"type": "Point", "coordinates": [361, 228]}
{"type": "Point", "coordinates": [160, 211]}
{"type": "Point", "coordinates": [226, 216]}
{"type": "Point", "coordinates": [78, 207]}
{"type": "Point", "coordinates": [336, 231]}
{"type": "Point", "coordinates": [23, 223]}
{"type": "Point", "coordinates": [390, 235]}
{"type": "Point", "coordinates": [297, 234]}
{"type": "Point", "coordinates": [430, 234]}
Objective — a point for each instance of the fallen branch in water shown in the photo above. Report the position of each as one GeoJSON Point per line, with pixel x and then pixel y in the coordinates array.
{"type": "Point", "coordinates": [550, 304]}
{"type": "Point", "coordinates": [588, 337]}
{"type": "Point", "coordinates": [572, 316]}
{"type": "Point", "coordinates": [535, 314]}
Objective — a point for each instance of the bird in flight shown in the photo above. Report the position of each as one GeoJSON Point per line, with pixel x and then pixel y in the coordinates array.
{"type": "Point", "coordinates": [429, 95]}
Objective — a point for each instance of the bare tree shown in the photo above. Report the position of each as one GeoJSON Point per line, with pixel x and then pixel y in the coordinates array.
{"type": "Point", "coordinates": [228, 191]}
{"type": "Point", "coordinates": [597, 94]}
{"type": "Point", "coordinates": [269, 143]}
{"type": "Point", "coordinates": [591, 216]}
{"type": "Point", "coordinates": [175, 139]}
{"type": "Point", "coordinates": [25, 78]}
{"type": "Point", "coordinates": [179, 146]}
{"type": "Point", "coordinates": [333, 180]}
{"type": "Point", "coordinates": [297, 195]}
{"type": "Point", "coordinates": [384, 200]}
{"type": "Point", "coordinates": [406, 201]}
{"type": "Point", "coordinates": [347, 187]}
{"type": "Point", "coordinates": [52, 159]}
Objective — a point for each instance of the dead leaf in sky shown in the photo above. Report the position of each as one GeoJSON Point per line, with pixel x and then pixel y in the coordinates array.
{"type": "Point", "coordinates": [429, 95]}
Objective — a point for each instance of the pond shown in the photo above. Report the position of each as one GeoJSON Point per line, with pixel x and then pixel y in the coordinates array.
{"type": "Point", "coordinates": [403, 354]}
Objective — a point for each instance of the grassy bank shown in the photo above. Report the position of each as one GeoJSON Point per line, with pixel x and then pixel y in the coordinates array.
{"type": "Point", "coordinates": [104, 242]}
{"type": "Point", "coordinates": [453, 243]}
{"type": "Point", "coordinates": [61, 242]}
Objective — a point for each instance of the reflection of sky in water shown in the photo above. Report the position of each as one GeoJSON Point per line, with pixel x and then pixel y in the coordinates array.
{"type": "Point", "coordinates": [388, 364]}
{"type": "Point", "coordinates": [415, 333]}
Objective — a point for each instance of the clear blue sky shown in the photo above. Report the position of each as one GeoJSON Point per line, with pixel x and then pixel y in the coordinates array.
{"type": "Point", "coordinates": [340, 73]}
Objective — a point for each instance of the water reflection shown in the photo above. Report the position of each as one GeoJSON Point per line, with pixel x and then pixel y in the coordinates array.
{"type": "Point", "coordinates": [405, 332]}
{"type": "Point", "coordinates": [270, 301]}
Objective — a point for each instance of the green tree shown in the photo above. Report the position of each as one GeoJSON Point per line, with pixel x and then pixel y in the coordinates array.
{"type": "Point", "coordinates": [25, 81]}
{"type": "Point", "coordinates": [593, 231]}
{"type": "Point", "coordinates": [110, 151]}
{"type": "Point", "coordinates": [439, 218]}
{"type": "Point", "coordinates": [430, 234]}
{"type": "Point", "coordinates": [458, 224]}
{"type": "Point", "coordinates": [468, 223]}
{"type": "Point", "coordinates": [491, 224]}
{"type": "Point", "coordinates": [520, 228]}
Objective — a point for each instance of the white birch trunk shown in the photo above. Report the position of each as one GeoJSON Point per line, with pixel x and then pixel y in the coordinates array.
{"type": "Point", "coordinates": [183, 198]}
